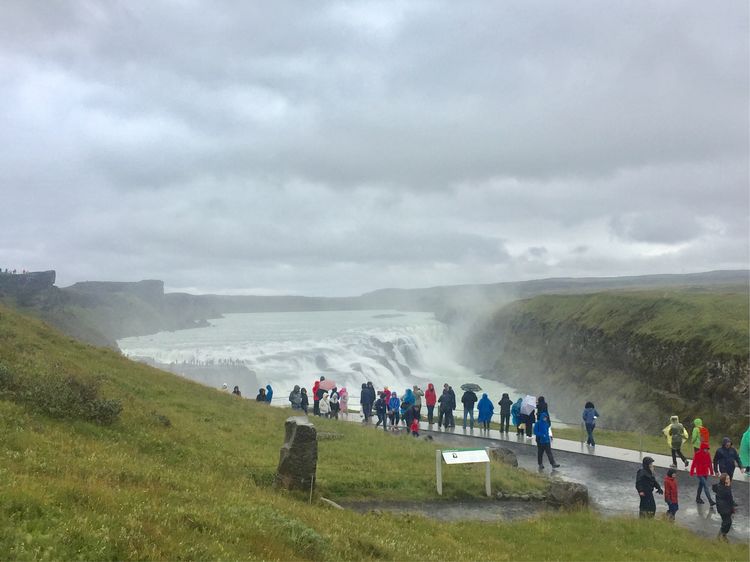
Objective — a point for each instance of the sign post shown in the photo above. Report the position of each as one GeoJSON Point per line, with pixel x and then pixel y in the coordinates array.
{"type": "Point", "coordinates": [462, 456]}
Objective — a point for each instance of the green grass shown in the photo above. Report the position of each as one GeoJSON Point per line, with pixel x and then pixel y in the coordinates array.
{"type": "Point", "coordinates": [719, 318]}
{"type": "Point", "coordinates": [199, 488]}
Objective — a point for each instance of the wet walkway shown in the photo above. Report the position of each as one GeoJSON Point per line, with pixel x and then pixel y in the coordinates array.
{"type": "Point", "coordinates": [616, 453]}
{"type": "Point", "coordinates": [609, 474]}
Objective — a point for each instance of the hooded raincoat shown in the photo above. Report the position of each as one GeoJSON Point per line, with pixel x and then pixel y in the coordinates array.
{"type": "Point", "coordinates": [485, 408]}
{"type": "Point", "coordinates": [515, 412]}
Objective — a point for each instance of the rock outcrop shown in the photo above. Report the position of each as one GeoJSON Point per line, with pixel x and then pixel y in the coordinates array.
{"type": "Point", "coordinates": [503, 455]}
{"type": "Point", "coordinates": [567, 494]}
{"type": "Point", "coordinates": [299, 455]}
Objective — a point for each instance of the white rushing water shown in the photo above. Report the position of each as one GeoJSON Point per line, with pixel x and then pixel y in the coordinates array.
{"type": "Point", "coordinates": [389, 348]}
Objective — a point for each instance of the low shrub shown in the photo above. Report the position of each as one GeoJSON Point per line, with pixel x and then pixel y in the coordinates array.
{"type": "Point", "coordinates": [60, 396]}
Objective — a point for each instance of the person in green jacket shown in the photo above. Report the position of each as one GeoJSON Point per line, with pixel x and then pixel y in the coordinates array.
{"type": "Point", "coordinates": [699, 435]}
{"type": "Point", "coordinates": [745, 450]}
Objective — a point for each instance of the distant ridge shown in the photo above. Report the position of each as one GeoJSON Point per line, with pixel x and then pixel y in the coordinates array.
{"type": "Point", "coordinates": [101, 312]}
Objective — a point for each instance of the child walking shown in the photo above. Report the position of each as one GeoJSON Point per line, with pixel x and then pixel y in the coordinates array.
{"type": "Point", "coordinates": [415, 427]}
{"type": "Point", "coordinates": [670, 494]}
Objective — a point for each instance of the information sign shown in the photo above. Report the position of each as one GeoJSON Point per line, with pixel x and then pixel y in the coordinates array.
{"type": "Point", "coordinates": [463, 456]}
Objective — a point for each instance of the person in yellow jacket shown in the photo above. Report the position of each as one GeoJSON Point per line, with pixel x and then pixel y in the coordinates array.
{"type": "Point", "coordinates": [699, 435]}
{"type": "Point", "coordinates": [676, 434]}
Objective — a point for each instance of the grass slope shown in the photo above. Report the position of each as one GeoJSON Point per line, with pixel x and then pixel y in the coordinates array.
{"type": "Point", "coordinates": [718, 317]}
{"type": "Point", "coordinates": [185, 474]}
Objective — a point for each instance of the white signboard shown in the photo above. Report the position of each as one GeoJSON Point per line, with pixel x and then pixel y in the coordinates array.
{"type": "Point", "coordinates": [462, 457]}
{"type": "Point", "coordinates": [465, 456]}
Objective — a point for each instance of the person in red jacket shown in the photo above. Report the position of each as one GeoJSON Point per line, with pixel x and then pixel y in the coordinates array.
{"type": "Point", "coordinates": [670, 493]}
{"type": "Point", "coordinates": [430, 399]}
{"type": "Point", "coordinates": [702, 467]}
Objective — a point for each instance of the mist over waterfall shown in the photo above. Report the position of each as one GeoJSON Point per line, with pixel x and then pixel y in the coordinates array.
{"type": "Point", "coordinates": [392, 349]}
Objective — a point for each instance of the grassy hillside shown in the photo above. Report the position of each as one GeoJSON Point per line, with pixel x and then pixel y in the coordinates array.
{"type": "Point", "coordinates": [184, 472]}
{"type": "Point", "coordinates": [640, 356]}
{"type": "Point", "coordinates": [717, 318]}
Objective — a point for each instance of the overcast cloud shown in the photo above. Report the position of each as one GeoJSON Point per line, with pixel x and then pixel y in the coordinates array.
{"type": "Point", "coordinates": [333, 148]}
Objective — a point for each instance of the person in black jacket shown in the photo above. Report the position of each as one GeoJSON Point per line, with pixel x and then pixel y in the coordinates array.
{"type": "Point", "coordinates": [505, 404]}
{"type": "Point", "coordinates": [453, 406]}
{"type": "Point", "coordinates": [541, 406]}
{"type": "Point", "coordinates": [724, 504]}
{"type": "Point", "coordinates": [468, 400]}
{"type": "Point", "coordinates": [726, 458]}
{"type": "Point", "coordinates": [380, 410]}
{"type": "Point", "coordinates": [645, 483]}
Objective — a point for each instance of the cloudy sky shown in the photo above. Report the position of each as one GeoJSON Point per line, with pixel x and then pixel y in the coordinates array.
{"type": "Point", "coordinates": [331, 148]}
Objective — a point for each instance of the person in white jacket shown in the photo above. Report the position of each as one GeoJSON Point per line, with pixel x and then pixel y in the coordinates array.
{"type": "Point", "coordinates": [325, 406]}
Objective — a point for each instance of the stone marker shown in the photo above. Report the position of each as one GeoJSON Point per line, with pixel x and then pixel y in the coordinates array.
{"type": "Point", "coordinates": [299, 455]}
{"type": "Point", "coordinates": [567, 494]}
{"type": "Point", "coordinates": [503, 455]}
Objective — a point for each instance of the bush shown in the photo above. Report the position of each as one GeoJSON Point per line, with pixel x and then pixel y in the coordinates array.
{"type": "Point", "coordinates": [60, 396]}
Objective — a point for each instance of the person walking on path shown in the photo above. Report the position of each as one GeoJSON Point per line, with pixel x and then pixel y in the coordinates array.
{"type": "Point", "coordinates": [468, 400]}
{"type": "Point", "coordinates": [726, 458]}
{"type": "Point", "coordinates": [344, 402]}
{"type": "Point", "coordinates": [414, 427]}
{"type": "Point", "coordinates": [485, 409]}
{"type": "Point", "coordinates": [430, 399]}
{"type": "Point", "coordinates": [304, 401]}
{"type": "Point", "coordinates": [589, 419]}
{"type": "Point", "coordinates": [515, 415]}
{"type": "Point", "coordinates": [505, 405]}
{"type": "Point", "coordinates": [381, 410]}
{"type": "Point", "coordinates": [394, 404]}
{"type": "Point", "coordinates": [544, 441]}
{"type": "Point", "coordinates": [261, 396]}
{"type": "Point", "coordinates": [269, 393]}
{"type": "Point", "coordinates": [699, 435]}
{"type": "Point", "coordinates": [645, 484]}
{"type": "Point", "coordinates": [676, 434]}
{"type": "Point", "coordinates": [418, 394]}
{"type": "Point", "coordinates": [670, 494]}
{"type": "Point", "coordinates": [724, 504]}
{"type": "Point", "coordinates": [701, 467]}
{"type": "Point", "coordinates": [295, 397]}
{"type": "Point", "coordinates": [745, 450]}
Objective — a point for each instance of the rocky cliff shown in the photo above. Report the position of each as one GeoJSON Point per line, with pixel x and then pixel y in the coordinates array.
{"type": "Point", "coordinates": [639, 357]}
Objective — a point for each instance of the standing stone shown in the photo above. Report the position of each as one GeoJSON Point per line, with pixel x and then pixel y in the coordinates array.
{"type": "Point", "coordinates": [299, 455]}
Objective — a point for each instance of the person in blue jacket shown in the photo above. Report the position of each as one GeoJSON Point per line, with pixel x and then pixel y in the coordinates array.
{"type": "Point", "coordinates": [589, 419]}
{"type": "Point", "coordinates": [515, 416]}
{"type": "Point", "coordinates": [407, 406]}
{"type": "Point", "coordinates": [269, 393]}
{"type": "Point", "coordinates": [394, 404]}
{"type": "Point", "coordinates": [486, 409]}
{"type": "Point", "coordinates": [543, 440]}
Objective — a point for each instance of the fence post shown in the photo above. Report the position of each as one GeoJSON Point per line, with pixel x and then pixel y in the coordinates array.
{"type": "Point", "coordinates": [439, 471]}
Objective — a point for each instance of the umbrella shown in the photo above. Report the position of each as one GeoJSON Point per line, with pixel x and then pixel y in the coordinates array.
{"type": "Point", "coordinates": [327, 384]}
{"type": "Point", "coordinates": [471, 386]}
{"type": "Point", "coordinates": [528, 405]}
